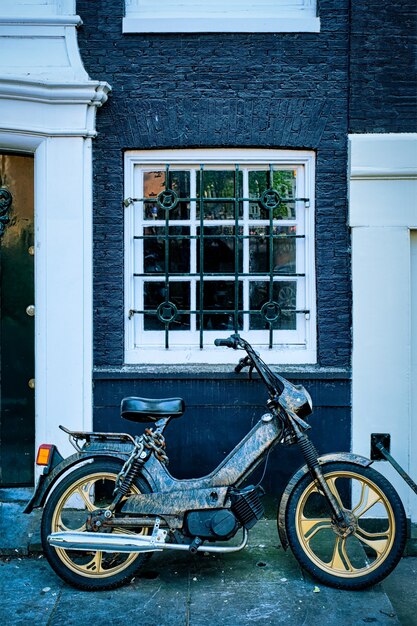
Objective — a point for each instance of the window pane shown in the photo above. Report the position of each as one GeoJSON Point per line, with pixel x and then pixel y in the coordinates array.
{"type": "Point", "coordinates": [154, 249]}
{"type": "Point", "coordinates": [154, 184]}
{"type": "Point", "coordinates": [155, 294]}
{"type": "Point", "coordinates": [219, 296]}
{"type": "Point", "coordinates": [219, 250]}
{"type": "Point", "coordinates": [284, 182]}
{"type": "Point", "coordinates": [284, 293]}
{"type": "Point", "coordinates": [219, 184]}
{"type": "Point", "coordinates": [283, 249]}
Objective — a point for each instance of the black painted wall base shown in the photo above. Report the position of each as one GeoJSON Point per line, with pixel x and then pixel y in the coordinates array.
{"type": "Point", "coordinates": [219, 412]}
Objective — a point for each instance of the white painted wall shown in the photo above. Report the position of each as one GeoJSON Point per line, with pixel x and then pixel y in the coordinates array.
{"type": "Point", "coordinates": [383, 209]}
{"type": "Point", "coordinates": [413, 377]}
{"type": "Point", "coordinates": [47, 107]}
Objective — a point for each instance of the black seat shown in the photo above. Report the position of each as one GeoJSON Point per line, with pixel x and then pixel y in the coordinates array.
{"type": "Point", "coordinates": [151, 410]}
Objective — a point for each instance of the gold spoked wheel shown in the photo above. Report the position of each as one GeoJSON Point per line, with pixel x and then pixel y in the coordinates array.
{"type": "Point", "coordinates": [84, 491]}
{"type": "Point", "coordinates": [86, 495]}
{"type": "Point", "coordinates": [372, 545]}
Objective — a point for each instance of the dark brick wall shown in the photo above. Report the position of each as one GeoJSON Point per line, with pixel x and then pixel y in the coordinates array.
{"type": "Point", "coordinates": [216, 90]}
{"type": "Point", "coordinates": [219, 412]}
{"type": "Point", "coordinates": [383, 88]}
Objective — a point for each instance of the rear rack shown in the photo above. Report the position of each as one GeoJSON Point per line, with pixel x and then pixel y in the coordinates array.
{"type": "Point", "coordinates": [89, 437]}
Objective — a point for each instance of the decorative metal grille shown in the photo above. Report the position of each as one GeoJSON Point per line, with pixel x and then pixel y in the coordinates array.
{"type": "Point", "coordinates": [216, 249]}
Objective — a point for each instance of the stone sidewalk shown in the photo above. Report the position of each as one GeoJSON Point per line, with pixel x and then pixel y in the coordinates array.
{"type": "Point", "coordinates": [262, 585]}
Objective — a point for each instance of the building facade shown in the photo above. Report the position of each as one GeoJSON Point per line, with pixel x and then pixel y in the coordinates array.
{"type": "Point", "coordinates": [210, 195]}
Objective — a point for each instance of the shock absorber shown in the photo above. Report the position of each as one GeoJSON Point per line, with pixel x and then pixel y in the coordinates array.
{"type": "Point", "coordinates": [311, 457]}
{"type": "Point", "coordinates": [133, 471]}
{"type": "Point", "coordinates": [309, 451]}
{"type": "Point", "coordinates": [130, 470]}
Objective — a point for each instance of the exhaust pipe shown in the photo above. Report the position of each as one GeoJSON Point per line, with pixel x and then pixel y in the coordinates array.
{"type": "Point", "coordinates": [103, 542]}
{"type": "Point", "coordinates": [106, 542]}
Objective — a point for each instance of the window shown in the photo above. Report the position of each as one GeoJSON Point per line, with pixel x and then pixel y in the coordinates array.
{"type": "Point", "coordinates": [219, 241]}
{"type": "Point", "coordinates": [219, 16]}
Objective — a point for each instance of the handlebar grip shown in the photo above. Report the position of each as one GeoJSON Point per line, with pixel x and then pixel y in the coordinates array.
{"type": "Point", "coordinates": [228, 343]}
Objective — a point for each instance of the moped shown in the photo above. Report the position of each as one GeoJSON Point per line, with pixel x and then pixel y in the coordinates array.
{"type": "Point", "coordinates": [113, 503]}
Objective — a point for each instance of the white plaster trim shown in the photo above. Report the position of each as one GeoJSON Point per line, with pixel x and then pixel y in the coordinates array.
{"type": "Point", "coordinates": [88, 92]}
{"type": "Point", "coordinates": [53, 20]}
{"type": "Point", "coordinates": [221, 25]}
{"type": "Point", "coordinates": [371, 173]}
{"type": "Point", "coordinates": [383, 209]}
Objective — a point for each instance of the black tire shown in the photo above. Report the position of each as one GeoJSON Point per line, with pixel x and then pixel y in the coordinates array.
{"type": "Point", "coordinates": [90, 571]}
{"type": "Point", "coordinates": [369, 554]}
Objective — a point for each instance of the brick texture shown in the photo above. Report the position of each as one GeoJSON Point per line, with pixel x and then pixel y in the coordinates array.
{"type": "Point", "coordinates": [383, 86]}
{"type": "Point", "coordinates": [217, 90]}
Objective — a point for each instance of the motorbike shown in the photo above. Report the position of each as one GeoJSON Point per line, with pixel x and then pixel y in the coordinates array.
{"type": "Point", "coordinates": [113, 503]}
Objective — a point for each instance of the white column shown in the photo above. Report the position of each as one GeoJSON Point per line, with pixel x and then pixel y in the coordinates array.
{"type": "Point", "coordinates": [381, 343]}
{"type": "Point", "coordinates": [383, 209]}
{"type": "Point", "coordinates": [63, 240]}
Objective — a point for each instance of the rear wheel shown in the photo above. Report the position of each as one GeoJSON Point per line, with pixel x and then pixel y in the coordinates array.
{"type": "Point", "coordinates": [373, 546]}
{"type": "Point", "coordinates": [86, 489]}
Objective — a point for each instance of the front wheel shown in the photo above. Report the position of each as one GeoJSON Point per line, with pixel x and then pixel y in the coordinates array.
{"type": "Point", "coordinates": [373, 546]}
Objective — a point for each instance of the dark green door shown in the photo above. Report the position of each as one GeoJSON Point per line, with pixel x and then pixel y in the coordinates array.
{"type": "Point", "coordinates": [17, 354]}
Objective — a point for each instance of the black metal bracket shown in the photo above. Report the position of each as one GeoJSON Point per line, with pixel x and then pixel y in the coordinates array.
{"type": "Point", "coordinates": [385, 440]}
{"type": "Point", "coordinates": [379, 452]}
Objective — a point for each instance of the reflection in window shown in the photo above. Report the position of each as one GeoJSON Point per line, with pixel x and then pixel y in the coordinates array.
{"type": "Point", "coordinates": [156, 293]}
{"type": "Point", "coordinates": [283, 293]}
{"type": "Point", "coordinates": [283, 245]}
{"type": "Point", "coordinates": [219, 250]}
{"type": "Point", "coordinates": [154, 249]}
{"type": "Point", "coordinates": [219, 305]}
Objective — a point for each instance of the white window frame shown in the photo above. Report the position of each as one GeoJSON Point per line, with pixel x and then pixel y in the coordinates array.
{"type": "Point", "coordinates": [294, 348]}
{"type": "Point", "coordinates": [269, 16]}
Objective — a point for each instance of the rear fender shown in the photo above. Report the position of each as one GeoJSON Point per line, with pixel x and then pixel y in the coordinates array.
{"type": "Point", "coordinates": [346, 457]}
{"type": "Point", "coordinates": [47, 481]}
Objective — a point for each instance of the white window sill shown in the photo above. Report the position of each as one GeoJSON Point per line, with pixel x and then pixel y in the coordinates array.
{"type": "Point", "coordinates": [228, 24]}
{"type": "Point", "coordinates": [290, 355]}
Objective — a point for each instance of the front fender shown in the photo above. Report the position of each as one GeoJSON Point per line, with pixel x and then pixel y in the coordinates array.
{"type": "Point", "coordinates": [47, 482]}
{"type": "Point", "coordinates": [299, 474]}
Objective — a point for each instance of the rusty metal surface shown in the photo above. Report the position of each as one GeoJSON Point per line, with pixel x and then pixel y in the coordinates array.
{"type": "Point", "coordinates": [234, 468]}
{"type": "Point", "coordinates": [176, 502]}
{"type": "Point", "coordinates": [46, 483]}
{"type": "Point", "coordinates": [346, 457]}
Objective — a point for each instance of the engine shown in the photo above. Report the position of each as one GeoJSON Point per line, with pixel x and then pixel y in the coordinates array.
{"type": "Point", "coordinates": [212, 524]}
{"type": "Point", "coordinates": [245, 511]}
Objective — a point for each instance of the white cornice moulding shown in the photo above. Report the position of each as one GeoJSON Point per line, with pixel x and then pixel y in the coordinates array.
{"type": "Point", "coordinates": [91, 92]}
{"type": "Point", "coordinates": [52, 20]}
{"type": "Point", "coordinates": [370, 173]}
{"type": "Point", "coordinates": [42, 49]}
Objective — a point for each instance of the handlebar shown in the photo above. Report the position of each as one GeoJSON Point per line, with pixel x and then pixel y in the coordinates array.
{"type": "Point", "coordinates": [227, 343]}
{"type": "Point", "coordinates": [271, 380]}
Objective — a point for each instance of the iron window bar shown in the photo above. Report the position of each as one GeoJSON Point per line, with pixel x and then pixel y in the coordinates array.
{"type": "Point", "coordinates": [167, 200]}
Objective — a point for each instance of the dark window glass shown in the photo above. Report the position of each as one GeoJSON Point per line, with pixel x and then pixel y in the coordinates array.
{"type": "Point", "coordinates": [154, 249]}
{"type": "Point", "coordinates": [284, 293]}
{"type": "Point", "coordinates": [155, 293]}
{"type": "Point", "coordinates": [283, 246]}
{"type": "Point", "coordinates": [219, 296]}
{"type": "Point", "coordinates": [219, 250]}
